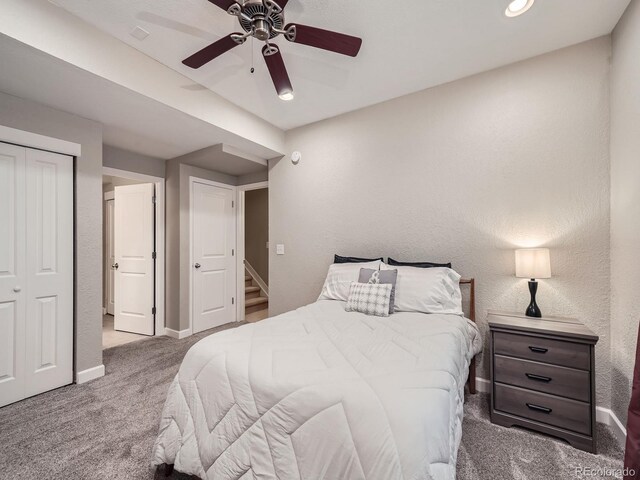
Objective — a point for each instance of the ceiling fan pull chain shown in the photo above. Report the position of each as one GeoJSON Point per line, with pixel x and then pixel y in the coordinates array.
{"type": "Point", "coordinates": [252, 69]}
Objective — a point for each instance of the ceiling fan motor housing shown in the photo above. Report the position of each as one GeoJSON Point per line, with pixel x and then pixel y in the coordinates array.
{"type": "Point", "coordinates": [262, 21]}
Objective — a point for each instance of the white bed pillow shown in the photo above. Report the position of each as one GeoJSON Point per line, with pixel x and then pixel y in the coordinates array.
{"type": "Point", "coordinates": [427, 290]}
{"type": "Point", "coordinates": [339, 278]}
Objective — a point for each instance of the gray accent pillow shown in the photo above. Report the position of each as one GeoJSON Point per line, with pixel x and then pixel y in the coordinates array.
{"type": "Point", "coordinates": [368, 275]}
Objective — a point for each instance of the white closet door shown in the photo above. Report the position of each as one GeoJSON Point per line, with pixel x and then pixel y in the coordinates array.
{"type": "Point", "coordinates": [214, 266]}
{"type": "Point", "coordinates": [49, 299]}
{"type": "Point", "coordinates": [36, 272]}
{"type": "Point", "coordinates": [12, 273]}
{"type": "Point", "coordinates": [134, 246]}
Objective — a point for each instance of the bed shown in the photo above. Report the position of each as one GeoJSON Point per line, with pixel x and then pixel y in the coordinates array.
{"type": "Point", "coordinates": [321, 393]}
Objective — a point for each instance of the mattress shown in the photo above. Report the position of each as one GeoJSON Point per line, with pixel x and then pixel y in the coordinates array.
{"type": "Point", "coordinates": [320, 393]}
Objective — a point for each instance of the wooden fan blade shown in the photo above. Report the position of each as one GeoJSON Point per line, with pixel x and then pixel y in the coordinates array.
{"type": "Point", "coordinates": [214, 50]}
{"type": "Point", "coordinates": [223, 4]}
{"type": "Point", "coordinates": [325, 39]}
{"type": "Point", "coordinates": [277, 70]}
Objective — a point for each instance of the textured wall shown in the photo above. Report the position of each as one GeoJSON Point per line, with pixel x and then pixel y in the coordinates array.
{"type": "Point", "coordinates": [465, 172]}
{"type": "Point", "coordinates": [132, 162]}
{"type": "Point", "coordinates": [33, 117]}
{"type": "Point", "coordinates": [256, 235]}
{"type": "Point", "coordinates": [625, 205]}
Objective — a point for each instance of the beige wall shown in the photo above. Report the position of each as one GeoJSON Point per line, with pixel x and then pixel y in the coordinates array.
{"type": "Point", "coordinates": [33, 117]}
{"type": "Point", "coordinates": [256, 231]}
{"type": "Point", "coordinates": [464, 172]}
{"type": "Point", "coordinates": [625, 205]}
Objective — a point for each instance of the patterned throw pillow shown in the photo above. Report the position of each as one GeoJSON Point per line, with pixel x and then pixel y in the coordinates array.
{"type": "Point", "coordinates": [369, 298]}
{"type": "Point", "coordinates": [367, 275]}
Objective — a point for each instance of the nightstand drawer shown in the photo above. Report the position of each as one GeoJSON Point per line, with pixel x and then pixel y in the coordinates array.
{"type": "Point", "coordinates": [563, 381]}
{"type": "Point", "coordinates": [557, 352]}
{"type": "Point", "coordinates": [549, 409]}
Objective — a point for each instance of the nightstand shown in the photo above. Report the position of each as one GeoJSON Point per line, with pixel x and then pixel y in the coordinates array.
{"type": "Point", "coordinates": [543, 376]}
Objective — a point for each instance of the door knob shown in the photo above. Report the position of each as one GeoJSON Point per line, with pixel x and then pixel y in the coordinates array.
{"type": "Point", "coordinates": [17, 288]}
{"type": "Point", "coordinates": [115, 266]}
{"type": "Point", "coordinates": [197, 265]}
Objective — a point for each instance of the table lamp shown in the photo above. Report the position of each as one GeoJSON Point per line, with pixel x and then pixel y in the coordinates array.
{"type": "Point", "coordinates": [533, 263]}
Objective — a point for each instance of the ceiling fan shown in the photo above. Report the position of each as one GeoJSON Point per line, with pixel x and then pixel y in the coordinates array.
{"type": "Point", "coordinates": [264, 20]}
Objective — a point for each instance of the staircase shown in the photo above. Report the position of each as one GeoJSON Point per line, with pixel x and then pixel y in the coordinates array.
{"type": "Point", "coordinates": [254, 300]}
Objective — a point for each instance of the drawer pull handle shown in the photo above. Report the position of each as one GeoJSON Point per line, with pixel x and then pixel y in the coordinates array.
{"type": "Point", "coordinates": [539, 349]}
{"type": "Point", "coordinates": [538, 378]}
{"type": "Point", "coordinates": [538, 408]}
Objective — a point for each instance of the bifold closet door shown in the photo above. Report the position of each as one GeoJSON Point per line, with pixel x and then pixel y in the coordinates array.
{"type": "Point", "coordinates": [36, 272]}
{"type": "Point", "coordinates": [13, 274]}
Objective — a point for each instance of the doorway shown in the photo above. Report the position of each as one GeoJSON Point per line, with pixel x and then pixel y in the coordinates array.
{"type": "Point", "coordinates": [133, 257]}
{"type": "Point", "coordinates": [253, 251]}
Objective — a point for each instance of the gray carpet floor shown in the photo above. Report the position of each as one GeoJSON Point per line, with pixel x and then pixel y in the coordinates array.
{"type": "Point", "coordinates": [105, 429]}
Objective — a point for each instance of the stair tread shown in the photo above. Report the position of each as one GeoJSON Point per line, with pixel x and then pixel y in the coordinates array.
{"type": "Point", "coordinates": [256, 301]}
{"type": "Point", "coordinates": [251, 289]}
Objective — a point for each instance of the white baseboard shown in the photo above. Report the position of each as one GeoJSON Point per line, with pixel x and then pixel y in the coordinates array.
{"type": "Point", "coordinates": [606, 416]}
{"type": "Point", "coordinates": [603, 415]}
{"type": "Point", "coordinates": [89, 374]}
{"type": "Point", "coordinates": [169, 332]}
{"type": "Point", "coordinates": [483, 385]}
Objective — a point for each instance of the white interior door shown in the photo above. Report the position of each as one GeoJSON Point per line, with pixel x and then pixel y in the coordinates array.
{"type": "Point", "coordinates": [49, 326]}
{"type": "Point", "coordinates": [36, 272]}
{"type": "Point", "coordinates": [111, 256]}
{"type": "Point", "coordinates": [13, 278]}
{"type": "Point", "coordinates": [213, 239]}
{"type": "Point", "coordinates": [134, 265]}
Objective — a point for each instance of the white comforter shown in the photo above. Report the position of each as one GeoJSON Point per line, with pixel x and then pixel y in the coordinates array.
{"type": "Point", "coordinates": [319, 393]}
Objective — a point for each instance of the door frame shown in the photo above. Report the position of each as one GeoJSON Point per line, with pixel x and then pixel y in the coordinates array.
{"type": "Point", "coordinates": [108, 197]}
{"type": "Point", "coordinates": [234, 190]}
{"type": "Point", "coordinates": [159, 183]}
{"type": "Point", "coordinates": [240, 212]}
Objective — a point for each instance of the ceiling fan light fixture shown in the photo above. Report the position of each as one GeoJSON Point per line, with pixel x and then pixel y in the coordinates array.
{"type": "Point", "coordinates": [264, 20]}
{"type": "Point", "coordinates": [518, 7]}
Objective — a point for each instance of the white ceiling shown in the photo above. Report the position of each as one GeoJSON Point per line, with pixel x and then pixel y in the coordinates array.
{"type": "Point", "coordinates": [131, 121]}
{"type": "Point", "coordinates": [408, 46]}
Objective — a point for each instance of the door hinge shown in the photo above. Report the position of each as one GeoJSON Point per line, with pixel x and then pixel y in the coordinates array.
{"type": "Point", "coordinates": [233, 301]}
{"type": "Point", "coordinates": [153, 255]}
{"type": "Point", "coordinates": [233, 252]}
{"type": "Point", "coordinates": [233, 204]}
{"type": "Point", "coordinates": [153, 311]}
{"type": "Point", "coordinates": [154, 199]}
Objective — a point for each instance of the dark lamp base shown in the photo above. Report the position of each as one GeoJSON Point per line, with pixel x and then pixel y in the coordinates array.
{"type": "Point", "coordinates": [533, 310]}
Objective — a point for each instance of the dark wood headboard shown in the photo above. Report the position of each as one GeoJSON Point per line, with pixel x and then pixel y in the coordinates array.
{"type": "Point", "coordinates": [472, 316]}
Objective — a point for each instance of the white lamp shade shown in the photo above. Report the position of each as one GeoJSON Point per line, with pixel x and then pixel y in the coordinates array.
{"type": "Point", "coordinates": [533, 263]}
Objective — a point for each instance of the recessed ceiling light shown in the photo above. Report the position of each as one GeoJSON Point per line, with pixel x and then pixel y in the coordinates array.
{"type": "Point", "coordinates": [518, 7]}
{"type": "Point", "coordinates": [286, 96]}
{"type": "Point", "coordinates": [139, 33]}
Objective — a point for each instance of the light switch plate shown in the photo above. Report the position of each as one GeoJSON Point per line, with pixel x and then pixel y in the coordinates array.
{"type": "Point", "coordinates": [279, 249]}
